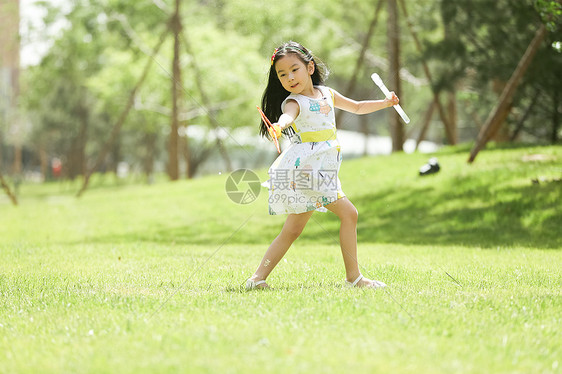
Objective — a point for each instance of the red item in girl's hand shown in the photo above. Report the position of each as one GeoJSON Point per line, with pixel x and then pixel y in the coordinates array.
{"type": "Point", "coordinates": [266, 121]}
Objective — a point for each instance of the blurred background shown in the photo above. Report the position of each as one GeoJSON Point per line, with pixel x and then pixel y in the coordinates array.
{"type": "Point", "coordinates": [161, 87]}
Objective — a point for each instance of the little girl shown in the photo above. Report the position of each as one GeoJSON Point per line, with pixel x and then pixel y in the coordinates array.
{"type": "Point", "coordinates": [304, 178]}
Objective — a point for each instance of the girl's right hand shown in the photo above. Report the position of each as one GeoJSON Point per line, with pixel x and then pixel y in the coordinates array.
{"type": "Point", "coordinates": [275, 131]}
{"type": "Point", "coordinates": [392, 99]}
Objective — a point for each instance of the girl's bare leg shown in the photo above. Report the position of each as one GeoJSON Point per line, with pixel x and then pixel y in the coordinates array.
{"type": "Point", "coordinates": [348, 215]}
{"type": "Point", "coordinates": [292, 228]}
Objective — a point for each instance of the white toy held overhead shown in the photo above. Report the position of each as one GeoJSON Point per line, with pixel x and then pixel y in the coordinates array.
{"type": "Point", "coordinates": [378, 81]}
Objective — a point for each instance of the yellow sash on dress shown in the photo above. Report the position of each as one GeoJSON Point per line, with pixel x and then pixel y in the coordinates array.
{"type": "Point", "coordinates": [318, 136]}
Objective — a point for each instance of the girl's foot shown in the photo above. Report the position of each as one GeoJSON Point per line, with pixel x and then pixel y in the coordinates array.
{"type": "Point", "coordinates": [253, 284]}
{"type": "Point", "coordinates": [363, 282]}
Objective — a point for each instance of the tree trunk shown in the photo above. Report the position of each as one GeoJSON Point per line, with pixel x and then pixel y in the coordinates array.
{"type": "Point", "coordinates": [397, 130]}
{"type": "Point", "coordinates": [500, 112]}
{"type": "Point", "coordinates": [115, 155]}
{"type": "Point", "coordinates": [448, 128]}
{"type": "Point", "coordinates": [191, 161]}
{"type": "Point", "coordinates": [498, 85]}
{"type": "Point", "coordinates": [122, 117]}
{"type": "Point", "coordinates": [452, 109]}
{"type": "Point", "coordinates": [555, 116]}
{"type": "Point", "coordinates": [197, 159]}
{"type": "Point", "coordinates": [16, 126]}
{"type": "Point", "coordinates": [82, 141]}
{"type": "Point", "coordinates": [524, 117]}
{"type": "Point", "coordinates": [77, 153]}
{"type": "Point", "coordinates": [149, 146]}
{"type": "Point", "coordinates": [17, 167]}
{"type": "Point", "coordinates": [6, 189]}
{"type": "Point", "coordinates": [449, 132]}
{"type": "Point", "coordinates": [207, 105]}
{"type": "Point", "coordinates": [1, 151]}
{"type": "Point", "coordinates": [426, 122]}
{"type": "Point", "coordinates": [351, 85]}
{"type": "Point", "coordinates": [173, 164]}
{"type": "Point", "coordinates": [476, 119]}
{"type": "Point", "coordinates": [43, 161]}
{"type": "Point", "coordinates": [364, 120]}
{"type": "Point", "coordinates": [70, 164]}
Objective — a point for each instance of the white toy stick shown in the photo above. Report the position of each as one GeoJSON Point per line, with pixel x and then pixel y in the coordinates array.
{"type": "Point", "coordinates": [378, 81]}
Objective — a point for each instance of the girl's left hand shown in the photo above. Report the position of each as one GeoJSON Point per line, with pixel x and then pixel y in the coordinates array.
{"type": "Point", "coordinates": [392, 100]}
{"type": "Point", "coordinates": [275, 131]}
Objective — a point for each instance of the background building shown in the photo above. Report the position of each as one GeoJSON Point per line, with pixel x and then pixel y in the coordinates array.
{"type": "Point", "coordinates": [9, 83]}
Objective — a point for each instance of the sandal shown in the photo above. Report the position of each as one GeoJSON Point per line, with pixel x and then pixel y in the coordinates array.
{"type": "Point", "coordinates": [375, 284]}
{"type": "Point", "coordinates": [252, 285]}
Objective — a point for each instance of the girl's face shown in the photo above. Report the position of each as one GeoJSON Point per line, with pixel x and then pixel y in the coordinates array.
{"type": "Point", "coordinates": [294, 74]}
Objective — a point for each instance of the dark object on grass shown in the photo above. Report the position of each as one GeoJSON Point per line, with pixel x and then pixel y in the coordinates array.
{"type": "Point", "coordinates": [431, 167]}
{"type": "Point", "coordinates": [545, 180]}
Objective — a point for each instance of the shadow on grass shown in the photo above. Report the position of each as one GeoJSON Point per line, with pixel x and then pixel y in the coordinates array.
{"type": "Point", "coordinates": [526, 216]}
{"type": "Point", "coordinates": [471, 210]}
{"type": "Point", "coordinates": [465, 148]}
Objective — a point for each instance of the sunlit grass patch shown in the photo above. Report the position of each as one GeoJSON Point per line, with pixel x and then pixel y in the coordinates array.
{"type": "Point", "coordinates": [137, 278]}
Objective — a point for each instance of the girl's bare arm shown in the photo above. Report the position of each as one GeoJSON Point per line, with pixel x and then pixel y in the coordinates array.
{"type": "Point", "coordinates": [363, 107]}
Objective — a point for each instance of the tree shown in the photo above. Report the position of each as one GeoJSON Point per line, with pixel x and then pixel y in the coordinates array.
{"type": "Point", "coordinates": [361, 58]}
{"type": "Point", "coordinates": [484, 39]}
{"type": "Point", "coordinates": [88, 80]}
{"type": "Point", "coordinates": [58, 100]}
{"type": "Point", "coordinates": [176, 28]}
{"type": "Point", "coordinates": [115, 41]}
{"type": "Point", "coordinates": [498, 115]}
{"type": "Point", "coordinates": [550, 12]}
{"type": "Point", "coordinates": [121, 119]}
{"type": "Point", "coordinates": [397, 129]}
{"type": "Point", "coordinates": [448, 121]}
{"type": "Point", "coordinates": [7, 189]}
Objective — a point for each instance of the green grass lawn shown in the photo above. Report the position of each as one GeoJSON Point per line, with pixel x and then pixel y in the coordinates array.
{"type": "Point", "coordinates": [134, 278]}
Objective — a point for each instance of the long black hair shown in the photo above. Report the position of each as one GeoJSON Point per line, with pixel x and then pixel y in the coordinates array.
{"type": "Point", "coordinates": [274, 93]}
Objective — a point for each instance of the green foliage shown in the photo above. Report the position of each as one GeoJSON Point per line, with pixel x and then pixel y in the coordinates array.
{"type": "Point", "coordinates": [551, 14]}
{"type": "Point", "coordinates": [491, 36]}
{"type": "Point", "coordinates": [104, 45]}
{"type": "Point", "coordinates": [482, 44]}
{"type": "Point", "coordinates": [103, 51]}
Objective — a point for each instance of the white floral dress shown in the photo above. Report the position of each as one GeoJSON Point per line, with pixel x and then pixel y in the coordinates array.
{"type": "Point", "coordinates": [305, 176]}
